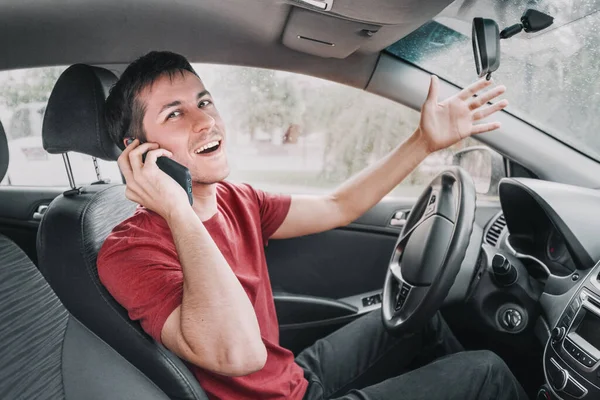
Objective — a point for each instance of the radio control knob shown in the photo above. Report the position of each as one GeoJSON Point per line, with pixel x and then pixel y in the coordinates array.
{"type": "Point", "coordinates": [558, 333]}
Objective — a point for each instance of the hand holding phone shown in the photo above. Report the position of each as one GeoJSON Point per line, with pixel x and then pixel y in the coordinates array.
{"type": "Point", "coordinates": [178, 172]}
{"type": "Point", "coordinates": [148, 185]}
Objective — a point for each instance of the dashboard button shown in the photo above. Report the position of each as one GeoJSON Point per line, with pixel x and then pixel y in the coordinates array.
{"type": "Point", "coordinates": [568, 345]}
{"type": "Point", "coordinates": [575, 305]}
{"type": "Point", "coordinates": [590, 362]}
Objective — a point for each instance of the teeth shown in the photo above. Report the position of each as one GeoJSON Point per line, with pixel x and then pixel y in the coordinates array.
{"type": "Point", "coordinates": [207, 146]}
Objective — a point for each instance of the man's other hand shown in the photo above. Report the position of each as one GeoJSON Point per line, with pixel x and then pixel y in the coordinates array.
{"type": "Point", "coordinates": [147, 184]}
{"type": "Point", "coordinates": [444, 124]}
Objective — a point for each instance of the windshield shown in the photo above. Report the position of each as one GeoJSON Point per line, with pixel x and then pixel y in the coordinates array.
{"type": "Point", "coordinates": [551, 76]}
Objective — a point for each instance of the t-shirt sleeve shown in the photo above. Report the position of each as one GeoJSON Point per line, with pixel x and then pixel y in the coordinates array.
{"type": "Point", "coordinates": [141, 270]}
{"type": "Point", "coordinates": [273, 209]}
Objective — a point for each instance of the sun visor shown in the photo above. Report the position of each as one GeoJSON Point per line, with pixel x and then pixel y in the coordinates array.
{"type": "Point", "coordinates": [325, 36]}
{"type": "Point", "coordinates": [339, 28]}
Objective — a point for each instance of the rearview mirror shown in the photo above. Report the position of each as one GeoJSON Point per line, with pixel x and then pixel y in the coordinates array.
{"type": "Point", "coordinates": [486, 38]}
{"type": "Point", "coordinates": [486, 46]}
{"type": "Point", "coordinates": [485, 166]}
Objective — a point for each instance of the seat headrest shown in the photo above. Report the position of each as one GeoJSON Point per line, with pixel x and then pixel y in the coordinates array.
{"type": "Point", "coordinates": [74, 116]}
{"type": "Point", "coordinates": [3, 152]}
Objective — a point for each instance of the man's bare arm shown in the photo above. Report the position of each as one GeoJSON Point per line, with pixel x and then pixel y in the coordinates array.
{"type": "Point", "coordinates": [215, 327]}
{"type": "Point", "coordinates": [442, 124]}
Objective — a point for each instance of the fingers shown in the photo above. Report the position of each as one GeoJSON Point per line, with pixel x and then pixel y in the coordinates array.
{"type": "Point", "coordinates": [135, 156]}
{"type": "Point", "coordinates": [153, 155]}
{"type": "Point", "coordinates": [123, 160]}
{"type": "Point", "coordinates": [434, 88]}
{"type": "Point", "coordinates": [478, 101]}
{"type": "Point", "coordinates": [481, 128]}
{"type": "Point", "coordinates": [473, 88]}
{"type": "Point", "coordinates": [489, 110]}
{"type": "Point", "coordinates": [130, 163]}
{"type": "Point", "coordinates": [131, 195]}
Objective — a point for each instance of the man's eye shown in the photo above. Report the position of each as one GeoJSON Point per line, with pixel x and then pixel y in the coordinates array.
{"type": "Point", "coordinates": [174, 114]}
{"type": "Point", "coordinates": [204, 103]}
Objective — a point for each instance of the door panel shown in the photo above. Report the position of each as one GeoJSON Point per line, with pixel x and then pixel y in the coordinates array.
{"type": "Point", "coordinates": [319, 281]}
{"type": "Point", "coordinates": [17, 214]}
{"type": "Point", "coordinates": [333, 264]}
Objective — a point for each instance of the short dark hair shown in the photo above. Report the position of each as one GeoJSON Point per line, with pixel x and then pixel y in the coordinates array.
{"type": "Point", "coordinates": [123, 112]}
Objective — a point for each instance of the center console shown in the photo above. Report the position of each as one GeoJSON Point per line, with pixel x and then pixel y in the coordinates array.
{"type": "Point", "coordinates": [572, 355]}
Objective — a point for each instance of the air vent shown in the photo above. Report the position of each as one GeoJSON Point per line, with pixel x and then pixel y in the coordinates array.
{"type": "Point", "coordinates": [493, 234]}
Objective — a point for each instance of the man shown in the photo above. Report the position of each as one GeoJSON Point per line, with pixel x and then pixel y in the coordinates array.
{"type": "Point", "coordinates": [196, 276]}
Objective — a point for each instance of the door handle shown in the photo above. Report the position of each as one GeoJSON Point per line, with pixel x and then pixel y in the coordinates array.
{"type": "Point", "coordinates": [39, 214]}
{"type": "Point", "coordinates": [399, 218]}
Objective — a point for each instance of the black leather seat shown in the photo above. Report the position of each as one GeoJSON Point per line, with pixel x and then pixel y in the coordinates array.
{"type": "Point", "coordinates": [45, 352]}
{"type": "Point", "coordinates": [77, 223]}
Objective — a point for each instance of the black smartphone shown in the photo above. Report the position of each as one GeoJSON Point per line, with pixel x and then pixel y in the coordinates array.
{"type": "Point", "coordinates": [178, 172]}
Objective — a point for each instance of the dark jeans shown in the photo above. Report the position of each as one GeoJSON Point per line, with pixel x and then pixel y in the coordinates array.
{"type": "Point", "coordinates": [361, 361]}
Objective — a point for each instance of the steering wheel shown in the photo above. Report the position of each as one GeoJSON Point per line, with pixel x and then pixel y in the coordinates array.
{"type": "Point", "coordinates": [429, 252]}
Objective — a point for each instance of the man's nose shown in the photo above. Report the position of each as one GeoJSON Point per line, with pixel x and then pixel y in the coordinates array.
{"type": "Point", "coordinates": [202, 121]}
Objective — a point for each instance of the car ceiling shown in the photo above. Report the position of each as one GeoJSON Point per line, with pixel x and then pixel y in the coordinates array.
{"type": "Point", "coordinates": [261, 33]}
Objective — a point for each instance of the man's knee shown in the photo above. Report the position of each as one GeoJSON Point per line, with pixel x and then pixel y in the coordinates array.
{"type": "Point", "coordinates": [489, 361]}
{"type": "Point", "coordinates": [490, 370]}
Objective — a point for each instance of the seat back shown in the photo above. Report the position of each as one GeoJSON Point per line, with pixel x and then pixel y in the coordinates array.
{"type": "Point", "coordinates": [45, 352]}
{"type": "Point", "coordinates": [76, 224]}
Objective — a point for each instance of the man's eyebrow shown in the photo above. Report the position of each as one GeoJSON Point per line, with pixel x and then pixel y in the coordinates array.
{"type": "Point", "coordinates": [203, 93]}
{"type": "Point", "coordinates": [178, 103]}
{"type": "Point", "coordinates": [171, 104]}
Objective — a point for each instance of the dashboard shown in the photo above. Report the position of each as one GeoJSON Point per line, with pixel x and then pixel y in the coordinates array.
{"type": "Point", "coordinates": [551, 232]}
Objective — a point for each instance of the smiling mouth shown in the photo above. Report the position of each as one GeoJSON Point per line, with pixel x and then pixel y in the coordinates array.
{"type": "Point", "coordinates": [209, 147]}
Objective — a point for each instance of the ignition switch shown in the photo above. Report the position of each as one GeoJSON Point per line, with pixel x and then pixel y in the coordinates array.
{"type": "Point", "coordinates": [511, 319]}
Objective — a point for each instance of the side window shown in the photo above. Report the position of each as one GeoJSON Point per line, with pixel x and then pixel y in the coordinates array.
{"type": "Point", "coordinates": [23, 98]}
{"type": "Point", "coordinates": [299, 134]}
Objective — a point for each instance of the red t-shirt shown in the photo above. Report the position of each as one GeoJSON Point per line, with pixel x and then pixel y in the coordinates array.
{"type": "Point", "coordinates": [139, 266]}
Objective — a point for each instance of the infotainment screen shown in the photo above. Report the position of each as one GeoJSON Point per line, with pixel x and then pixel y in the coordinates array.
{"type": "Point", "coordinates": [589, 329]}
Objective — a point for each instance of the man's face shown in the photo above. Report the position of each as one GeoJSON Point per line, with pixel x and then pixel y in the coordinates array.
{"type": "Point", "coordinates": [182, 118]}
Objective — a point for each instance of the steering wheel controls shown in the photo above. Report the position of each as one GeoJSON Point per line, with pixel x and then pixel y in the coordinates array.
{"type": "Point", "coordinates": [402, 295]}
{"type": "Point", "coordinates": [505, 273]}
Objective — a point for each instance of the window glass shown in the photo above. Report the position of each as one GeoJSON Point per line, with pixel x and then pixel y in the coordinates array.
{"type": "Point", "coordinates": [551, 75]}
{"type": "Point", "coordinates": [299, 134]}
{"type": "Point", "coordinates": [23, 98]}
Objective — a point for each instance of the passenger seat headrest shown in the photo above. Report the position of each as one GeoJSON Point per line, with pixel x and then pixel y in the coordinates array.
{"type": "Point", "coordinates": [3, 153]}
{"type": "Point", "coordinates": [74, 119]}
